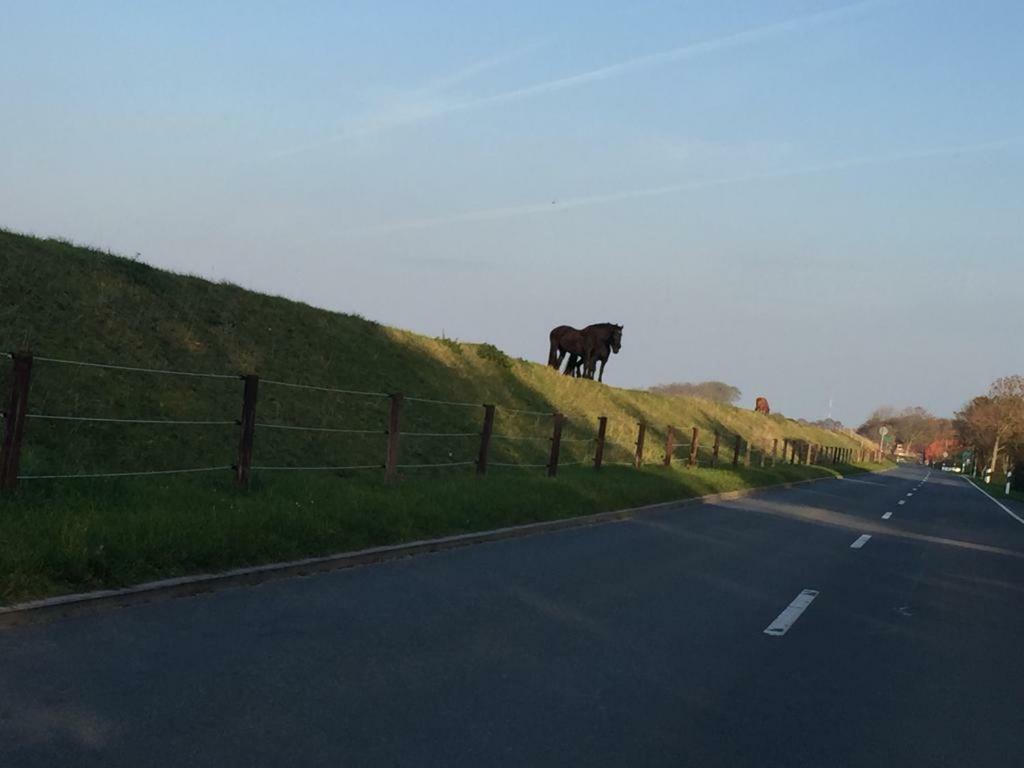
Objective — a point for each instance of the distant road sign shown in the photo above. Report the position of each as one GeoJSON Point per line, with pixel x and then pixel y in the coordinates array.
{"type": "Point", "coordinates": [883, 431]}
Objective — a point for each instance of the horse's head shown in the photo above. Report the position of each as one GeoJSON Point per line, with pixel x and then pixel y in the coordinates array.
{"type": "Point", "coordinates": [616, 340]}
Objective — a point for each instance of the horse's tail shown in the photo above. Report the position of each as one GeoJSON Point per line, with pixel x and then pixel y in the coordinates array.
{"type": "Point", "coordinates": [553, 352]}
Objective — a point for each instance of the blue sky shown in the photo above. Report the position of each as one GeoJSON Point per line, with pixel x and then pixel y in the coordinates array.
{"type": "Point", "coordinates": [805, 199]}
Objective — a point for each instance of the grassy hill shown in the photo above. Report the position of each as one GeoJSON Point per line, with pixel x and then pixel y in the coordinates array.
{"type": "Point", "coordinates": [67, 302]}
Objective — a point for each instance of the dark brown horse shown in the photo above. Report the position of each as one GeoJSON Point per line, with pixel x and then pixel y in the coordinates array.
{"type": "Point", "coordinates": [761, 406]}
{"type": "Point", "coordinates": [585, 348]}
{"type": "Point", "coordinates": [607, 341]}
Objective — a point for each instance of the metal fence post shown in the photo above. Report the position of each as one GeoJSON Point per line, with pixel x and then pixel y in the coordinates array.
{"type": "Point", "coordinates": [394, 433]}
{"type": "Point", "coordinates": [14, 420]}
{"type": "Point", "coordinates": [485, 439]}
{"type": "Point", "coordinates": [641, 431]}
{"type": "Point", "coordinates": [556, 443]}
{"type": "Point", "coordinates": [247, 434]}
{"type": "Point", "coordinates": [602, 428]}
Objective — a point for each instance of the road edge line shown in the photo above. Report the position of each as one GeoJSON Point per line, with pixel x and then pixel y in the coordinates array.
{"type": "Point", "coordinates": [997, 502]}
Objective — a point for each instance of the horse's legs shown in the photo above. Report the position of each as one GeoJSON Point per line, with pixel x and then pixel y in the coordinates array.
{"type": "Point", "coordinates": [600, 376]}
{"type": "Point", "coordinates": [570, 367]}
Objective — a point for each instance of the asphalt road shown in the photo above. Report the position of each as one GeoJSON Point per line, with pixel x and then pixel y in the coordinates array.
{"type": "Point", "coordinates": [635, 643]}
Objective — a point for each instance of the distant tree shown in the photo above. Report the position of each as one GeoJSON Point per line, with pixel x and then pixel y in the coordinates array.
{"type": "Point", "coordinates": [718, 391]}
{"type": "Point", "coordinates": [829, 424]}
{"type": "Point", "coordinates": [914, 427]}
{"type": "Point", "coordinates": [994, 423]}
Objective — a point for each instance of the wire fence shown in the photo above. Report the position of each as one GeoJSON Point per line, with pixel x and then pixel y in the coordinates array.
{"type": "Point", "coordinates": [528, 439]}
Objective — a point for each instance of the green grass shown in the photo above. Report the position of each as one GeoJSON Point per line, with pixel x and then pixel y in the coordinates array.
{"type": "Point", "coordinates": [998, 489]}
{"type": "Point", "coordinates": [57, 538]}
{"type": "Point", "coordinates": [66, 301]}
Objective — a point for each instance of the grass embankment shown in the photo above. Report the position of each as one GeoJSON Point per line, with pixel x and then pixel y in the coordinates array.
{"type": "Point", "coordinates": [64, 301]}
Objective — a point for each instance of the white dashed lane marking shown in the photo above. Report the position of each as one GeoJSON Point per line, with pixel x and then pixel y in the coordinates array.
{"type": "Point", "coordinates": [887, 515]}
{"type": "Point", "coordinates": [788, 617]}
{"type": "Point", "coordinates": [860, 542]}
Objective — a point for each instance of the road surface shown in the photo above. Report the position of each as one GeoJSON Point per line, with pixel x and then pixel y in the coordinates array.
{"type": "Point", "coordinates": [799, 627]}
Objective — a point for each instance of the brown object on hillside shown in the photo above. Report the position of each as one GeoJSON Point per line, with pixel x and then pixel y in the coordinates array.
{"type": "Point", "coordinates": [761, 406]}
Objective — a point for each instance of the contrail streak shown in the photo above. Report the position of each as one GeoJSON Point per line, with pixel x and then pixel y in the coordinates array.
{"type": "Point", "coordinates": [507, 212]}
{"type": "Point", "coordinates": [679, 53]}
{"type": "Point", "coordinates": [647, 61]}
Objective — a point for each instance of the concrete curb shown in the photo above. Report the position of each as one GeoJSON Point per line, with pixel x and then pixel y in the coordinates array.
{"type": "Point", "coordinates": [184, 586]}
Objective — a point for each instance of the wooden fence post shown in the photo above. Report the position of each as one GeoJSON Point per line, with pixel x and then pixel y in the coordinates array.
{"type": "Point", "coordinates": [792, 452]}
{"type": "Point", "coordinates": [736, 452]}
{"type": "Point", "coordinates": [485, 439]}
{"type": "Point", "coordinates": [243, 466]}
{"type": "Point", "coordinates": [714, 449]}
{"type": "Point", "coordinates": [556, 443]}
{"type": "Point", "coordinates": [669, 445]}
{"type": "Point", "coordinates": [602, 427]}
{"type": "Point", "coordinates": [835, 455]}
{"type": "Point", "coordinates": [394, 435]}
{"type": "Point", "coordinates": [785, 449]}
{"type": "Point", "coordinates": [638, 460]}
{"type": "Point", "coordinates": [14, 420]}
{"type": "Point", "coordinates": [694, 446]}
{"type": "Point", "coordinates": [747, 455]}
{"type": "Point", "coordinates": [775, 450]}
{"type": "Point", "coordinates": [764, 453]}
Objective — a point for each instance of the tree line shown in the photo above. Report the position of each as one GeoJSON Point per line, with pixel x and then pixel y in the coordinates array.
{"type": "Point", "coordinates": [990, 427]}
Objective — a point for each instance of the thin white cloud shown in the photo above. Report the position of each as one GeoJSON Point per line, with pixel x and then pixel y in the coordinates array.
{"type": "Point", "coordinates": [672, 55]}
{"type": "Point", "coordinates": [426, 104]}
{"type": "Point", "coordinates": [508, 212]}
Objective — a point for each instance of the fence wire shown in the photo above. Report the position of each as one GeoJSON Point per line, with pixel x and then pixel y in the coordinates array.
{"type": "Point", "coordinates": [315, 469]}
{"type": "Point", "coordinates": [334, 390]}
{"type": "Point", "coordinates": [100, 419]}
{"type": "Point", "coordinates": [134, 369]}
{"type": "Point", "coordinates": [298, 428]}
{"type": "Point", "coordinates": [431, 466]}
{"type": "Point", "coordinates": [443, 402]}
{"type": "Point", "coordinates": [126, 474]}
